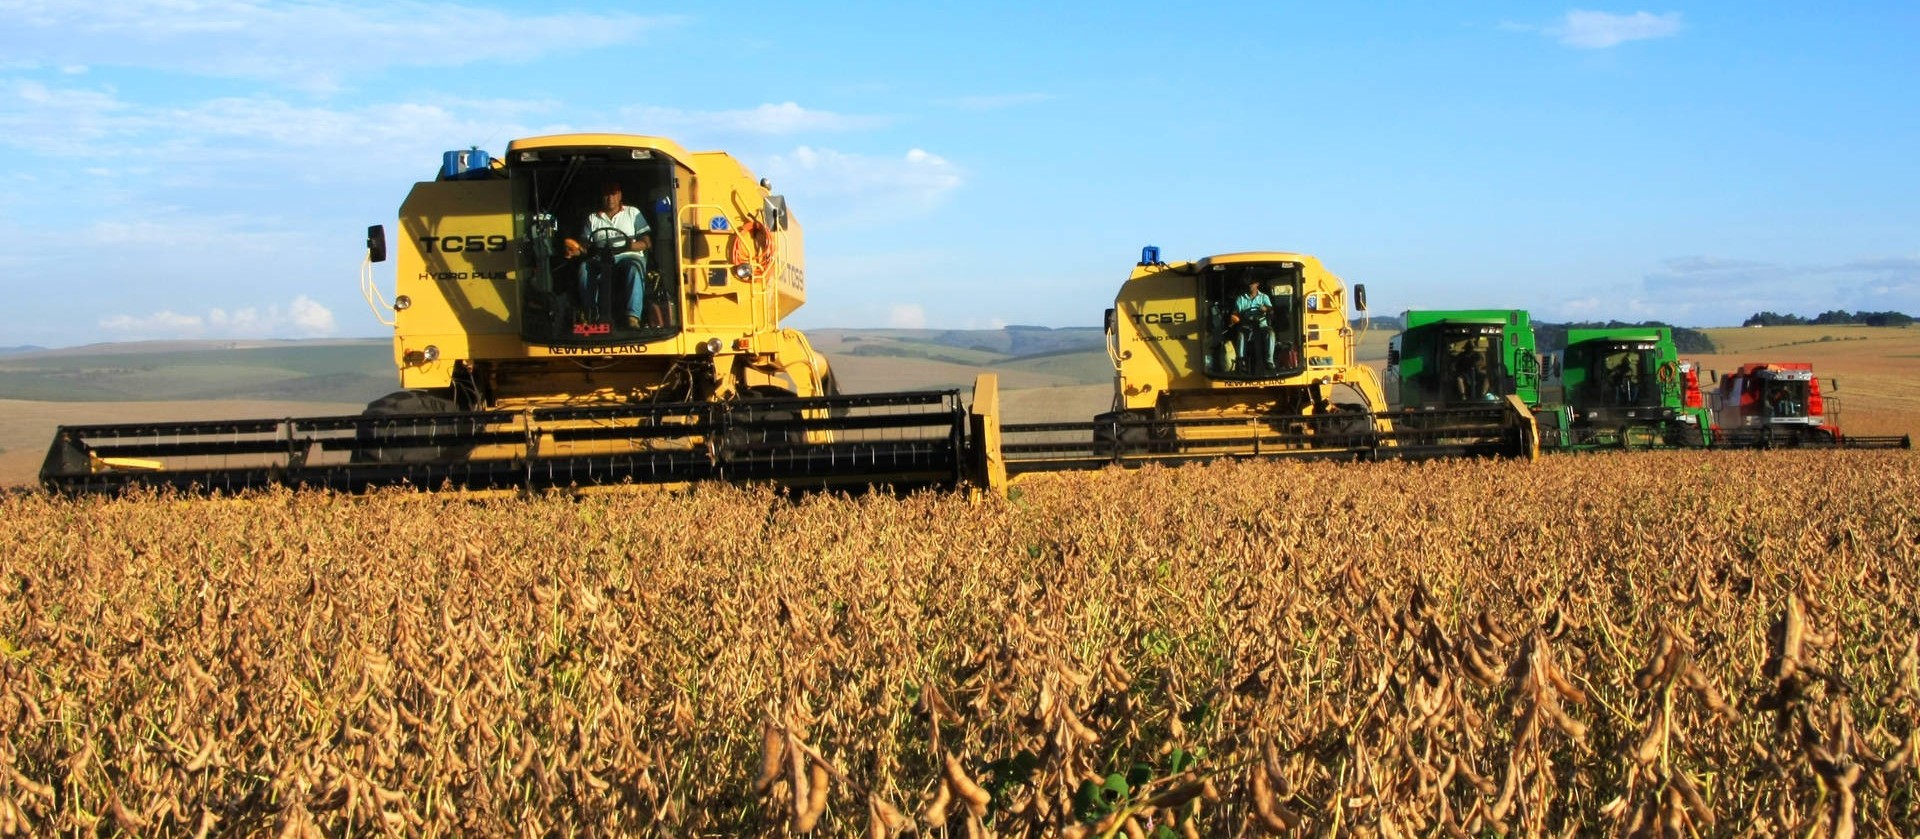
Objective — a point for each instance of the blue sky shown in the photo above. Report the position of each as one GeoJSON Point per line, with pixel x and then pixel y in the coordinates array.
{"type": "Point", "coordinates": [205, 168]}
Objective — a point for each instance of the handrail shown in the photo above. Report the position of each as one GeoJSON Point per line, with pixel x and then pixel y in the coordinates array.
{"type": "Point", "coordinates": [375, 300]}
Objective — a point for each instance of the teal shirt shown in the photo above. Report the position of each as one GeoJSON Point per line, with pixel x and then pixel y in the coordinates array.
{"type": "Point", "coordinates": [1253, 303]}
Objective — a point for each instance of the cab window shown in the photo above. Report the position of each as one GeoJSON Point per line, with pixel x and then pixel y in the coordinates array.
{"type": "Point", "coordinates": [598, 249]}
{"type": "Point", "coordinates": [1253, 320]}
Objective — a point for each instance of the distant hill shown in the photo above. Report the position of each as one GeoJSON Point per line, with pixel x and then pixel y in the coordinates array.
{"type": "Point", "coordinates": [302, 371]}
{"type": "Point", "coordinates": [20, 349]}
{"type": "Point", "coordinates": [359, 371]}
{"type": "Point", "coordinates": [1011, 342]}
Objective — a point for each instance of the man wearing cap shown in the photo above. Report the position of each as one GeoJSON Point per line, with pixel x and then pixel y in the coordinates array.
{"type": "Point", "coordinates": [605, 228]}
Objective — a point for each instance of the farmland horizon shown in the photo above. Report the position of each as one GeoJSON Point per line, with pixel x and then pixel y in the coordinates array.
{"type": "Point", "coordinates": [244, 342]}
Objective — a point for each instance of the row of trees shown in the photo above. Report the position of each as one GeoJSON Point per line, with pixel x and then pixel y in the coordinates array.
{"type": "Point", "coordinates": [1837, 317]}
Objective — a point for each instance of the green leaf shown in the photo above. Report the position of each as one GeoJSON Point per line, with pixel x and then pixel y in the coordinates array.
{"type": "Point", "coordinates": [1140, 774]}
{"type": "Point", "coordinates": [1089, 801]}
{"type": "Point", "coordinates": [1178, 761]}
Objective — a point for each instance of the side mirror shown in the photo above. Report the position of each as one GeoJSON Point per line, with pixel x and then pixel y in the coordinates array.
{"type": "Point", "coordinates": [377, 243]}
{"type": "Point", "coordinates": [1111, 322]}
{"type": "Point", "coordinates": [1833, 385]}
{"type": "Point", "coordinates": [1360, 297]}
{"type": "Point", "coordinates": [1393, 358]}
{"type": "Point", "coordinates": [776, 212]}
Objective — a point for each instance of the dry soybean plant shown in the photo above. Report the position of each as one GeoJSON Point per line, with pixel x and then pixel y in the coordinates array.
{"type": "Point", "coordinates": [1656, 644]}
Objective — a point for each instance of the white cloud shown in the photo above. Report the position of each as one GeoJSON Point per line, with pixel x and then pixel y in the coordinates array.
{"type": "Point", "coordinates": [1615, 307]}
{"type": "Point", "coordinates": [782, 119]}
{"type": "Point", "coordinates": [1709, 265]}
{"type": "Point", "coordinates": [1899, 265]}
{"type": "Point", "coordinates": [305, 44]}
{"type": "Point", "coordinates": [1716, 291]}
{"type": "Point", "coordinates": [309, 317]}
{"type": "Point", "coordinates": [1599, 30]}
{"type": "Point", "coordinates": [907, 316]}
{"type": "Point", "coordinates": [854, 186]}
{"type": "Point", "coordinates": [37, 118]}
{"type": "Point", "coordinates": [214, 141]}
{"type": "Point", "coordinates": [303, 318]}
{"type": "Point", "coordinates": [159, 324]}
{"type": "Point", "coordinates": [129, 237]}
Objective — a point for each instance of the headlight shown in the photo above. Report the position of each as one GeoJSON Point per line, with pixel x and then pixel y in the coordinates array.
{"type": "Point", "coordinates": [431, 353]}
{"type": "Point", "coordinates": [711, 346]}
{"type": "Point", "coordinates": [402, 302]}
{"type": "Point", "coordinates": [743, 271]}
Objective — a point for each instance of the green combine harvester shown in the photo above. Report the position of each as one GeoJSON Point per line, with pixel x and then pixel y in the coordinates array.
{"type": "Point", "coordinates": [1625, 387]}
{"type": "Point", "coordinates": [1610, 388]}
{"type": "Point", "coordinates": [1445, 361]}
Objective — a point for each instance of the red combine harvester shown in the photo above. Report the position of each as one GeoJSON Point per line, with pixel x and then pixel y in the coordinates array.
{"type": "Point", "coordinates": [1765, 405]}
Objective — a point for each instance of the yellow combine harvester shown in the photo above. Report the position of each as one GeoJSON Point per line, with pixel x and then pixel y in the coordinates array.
{"type": "Point", "coordinates": [1242, 355]}
{"type": "Point", "coordinates": [589, 309]}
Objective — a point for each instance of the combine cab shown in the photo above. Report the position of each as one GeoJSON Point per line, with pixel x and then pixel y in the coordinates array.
{"type": "Point", "coordinates": [1247, 355]}
{"type": "Point", "coordinates": [1626, 387]}
{"type": "Point", "coordinates": [1446, 361]}
{"type": "Point", "coordinates": [1766, 405]}
{"type": "Point", "coordinates": [591, 309]}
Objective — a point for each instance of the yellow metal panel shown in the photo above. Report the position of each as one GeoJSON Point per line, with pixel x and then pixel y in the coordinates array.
{"type": "Point", "coordinates": [1158, 325]}
{"type": "Point", "coordinates": [778, 288]}
{"type": "Point", "coordinates": [987, 464]}
{"type": "Point", "coordinates": [454, 263]}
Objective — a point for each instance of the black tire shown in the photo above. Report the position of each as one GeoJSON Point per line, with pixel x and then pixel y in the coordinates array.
{"type": "Point", "coordinates": [400, 406]}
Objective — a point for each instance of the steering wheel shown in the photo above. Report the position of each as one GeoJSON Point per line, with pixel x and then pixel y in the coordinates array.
{"type": "Point", "coordinates": [608, 239]}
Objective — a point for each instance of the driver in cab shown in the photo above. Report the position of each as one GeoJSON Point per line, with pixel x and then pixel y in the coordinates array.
{"type": "Point", "coordinates": [623, 229]}
{"type": "Point", "coordinates": [1250, 319]}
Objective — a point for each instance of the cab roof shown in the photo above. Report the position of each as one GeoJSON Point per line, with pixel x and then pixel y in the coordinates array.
{"type": "Point", "coordinates": [1255, 257]}
{"type": "Point", "coordinates": [598, 141]}
{"type": "Point", "coordinates": [1478, 317]}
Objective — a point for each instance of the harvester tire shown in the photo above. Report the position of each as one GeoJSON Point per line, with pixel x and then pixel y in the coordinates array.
{"type": "Point", "coordinates": [399, 405]}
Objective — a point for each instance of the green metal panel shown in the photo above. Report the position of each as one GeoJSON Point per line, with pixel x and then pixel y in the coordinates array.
{"type": "Point", "coordinates": [1587, 353]}
{"type": "Point", "coordinates": [1431, 336]}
